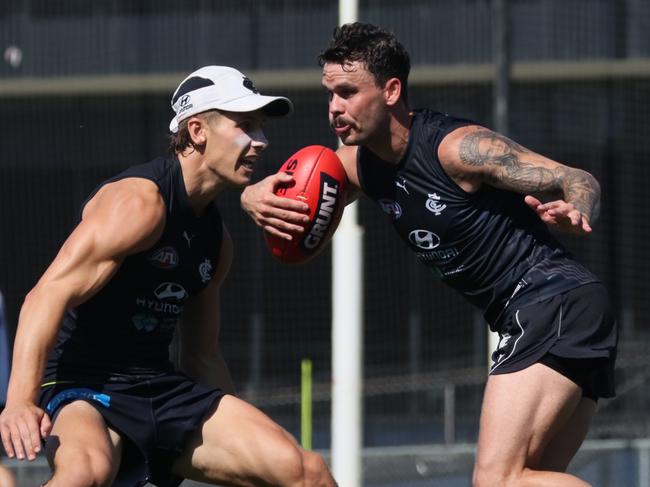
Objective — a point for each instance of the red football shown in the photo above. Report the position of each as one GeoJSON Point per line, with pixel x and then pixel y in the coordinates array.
{"type": "Point", "coordinates": [320, 182]}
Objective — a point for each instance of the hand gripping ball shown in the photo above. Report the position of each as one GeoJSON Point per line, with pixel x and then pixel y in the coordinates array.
{"type": "Point", "coordinates": [320, 181]}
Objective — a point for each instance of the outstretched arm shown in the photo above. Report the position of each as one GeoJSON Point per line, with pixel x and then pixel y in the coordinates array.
{"type": "Point", "coordinates": [474, 155]}
{"type": "Point", "coordinates": [125, 217]}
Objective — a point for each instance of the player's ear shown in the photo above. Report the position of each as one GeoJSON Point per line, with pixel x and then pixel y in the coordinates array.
{"type": "Point", "coordinates": [392, 91]}
{"type": "Point", "coordinates": [196, 128]}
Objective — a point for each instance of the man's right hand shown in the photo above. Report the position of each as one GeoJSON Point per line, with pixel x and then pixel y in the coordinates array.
{"type": "Point", "coordinates": [22, 427]}
{"type": "Point", "coordinates": [277, 215]}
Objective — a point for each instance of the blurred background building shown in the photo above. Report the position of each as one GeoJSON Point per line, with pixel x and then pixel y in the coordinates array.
{"type": "Point", "coordinates": [84, 93]}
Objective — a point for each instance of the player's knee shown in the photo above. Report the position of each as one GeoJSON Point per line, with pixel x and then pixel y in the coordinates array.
{"type": "Point", "coordinates": [300, 468]}
{"type": "Point", "coordinates": [315, 469]}
{"type": "Point", "coordinates": [290, 465]}
{"type": "Point", "coordinates": [493, 476]}
{"type": "Point", "coordinates": [92, 468]}
{"type": "Point", "coordinates": [483, 479]}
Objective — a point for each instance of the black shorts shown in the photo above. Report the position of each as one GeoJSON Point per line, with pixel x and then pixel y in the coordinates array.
{"type": "Point", "coordinates": [155, 418]}
{"type": "Point", "coordinates": [574, 333]}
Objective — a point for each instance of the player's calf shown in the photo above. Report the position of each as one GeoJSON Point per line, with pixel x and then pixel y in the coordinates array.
{"type": "Point", "coordinates": [300, 468]}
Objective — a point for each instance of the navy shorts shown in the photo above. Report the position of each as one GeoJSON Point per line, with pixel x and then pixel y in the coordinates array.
{"type": "Point", "coordinates": [155, 418]}
{"type": "Point", "coordinates": [574, 333]}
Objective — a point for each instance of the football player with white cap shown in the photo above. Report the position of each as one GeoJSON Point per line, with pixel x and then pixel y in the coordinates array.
{"type": "Point", "coordinates": [93, 375]}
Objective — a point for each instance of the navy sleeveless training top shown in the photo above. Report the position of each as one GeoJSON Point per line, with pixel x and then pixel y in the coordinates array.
{"type": "Point", "coordinates": [487, 245]}
{"type": "Point", "coordinates": [124, 331]}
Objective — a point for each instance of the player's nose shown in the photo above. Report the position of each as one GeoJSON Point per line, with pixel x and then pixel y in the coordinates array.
{"type": "Point", "coordinates": [259, 140]}
{"type": "Point", "coordinates": [336, 106]}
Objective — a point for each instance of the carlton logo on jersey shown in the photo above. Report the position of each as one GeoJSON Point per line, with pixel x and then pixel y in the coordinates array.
{"type": "Point", "coordinates": [433, 204]}
{"type": "Point", "coordinates": [205, 270]}
{"type": "Point", "coordinates": [329, 190]}
{"type": "Point", "coordinates": [424, 239]}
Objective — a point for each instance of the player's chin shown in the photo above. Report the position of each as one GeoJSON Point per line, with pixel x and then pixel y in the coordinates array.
{"type": "Point", "coordinates": [246, 181]}
{"type": "Point", "coordinates": [349, 139]}
{"type": "Point", "coordinates": [241, 179]}
{"type": "Point", "coordinates": [244, 172]}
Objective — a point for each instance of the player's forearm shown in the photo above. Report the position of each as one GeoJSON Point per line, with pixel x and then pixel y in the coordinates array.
{"type": "Point", "coordinates": [583, 191]}
{"type": "Point", "coordinates": [35, 336]}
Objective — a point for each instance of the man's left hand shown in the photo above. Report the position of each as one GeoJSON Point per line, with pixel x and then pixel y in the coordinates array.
{"type": "Point", "coordinates": [560, 215]}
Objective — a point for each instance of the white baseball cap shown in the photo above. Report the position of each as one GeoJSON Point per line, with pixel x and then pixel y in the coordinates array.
{"type": "Point", "coordinates": [222, 88]}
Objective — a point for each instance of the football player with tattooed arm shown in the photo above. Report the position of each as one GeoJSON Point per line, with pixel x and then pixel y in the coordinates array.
{"type": "Point", "coordinates": [468, 202]}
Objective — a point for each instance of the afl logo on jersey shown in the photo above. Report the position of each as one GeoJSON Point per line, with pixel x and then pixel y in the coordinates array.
{"type": "Point", "coordinates": [164, 258]}
{"type": "Point", "coordinates": [390, 207]}
{"type": "Point", "coordinates": [424, 239]}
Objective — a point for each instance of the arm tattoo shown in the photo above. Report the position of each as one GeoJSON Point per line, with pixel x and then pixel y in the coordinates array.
{"type": "Point", "coordinates": [513, 167]}
{"type": "Point", "coordinates": [486, 148]}
{"type": "Point", "coordinates": [582, 189]}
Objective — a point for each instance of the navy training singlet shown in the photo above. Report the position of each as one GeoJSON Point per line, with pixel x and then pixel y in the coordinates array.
{"type": "Point", "coordinates": [487, 245]}
{"type": "Point", "coordinates": [124, 331]}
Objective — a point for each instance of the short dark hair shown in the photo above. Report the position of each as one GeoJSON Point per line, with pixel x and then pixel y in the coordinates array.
{"type": "Point", "coordinates": [383, 55]}
{"type": "Point", "coordinates": [181, 139]}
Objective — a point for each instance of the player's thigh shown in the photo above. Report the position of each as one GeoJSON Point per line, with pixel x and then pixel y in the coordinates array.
{"type": "Point", "coordinates": [522, 411]}
{"type": "Point", "coordinates": [239, 444]}
{"type": "Point", "coordinates": [81, 445]}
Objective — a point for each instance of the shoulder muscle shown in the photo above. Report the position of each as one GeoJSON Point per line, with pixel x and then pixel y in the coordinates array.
{"type": "Point", "coordinates": [127, 216]}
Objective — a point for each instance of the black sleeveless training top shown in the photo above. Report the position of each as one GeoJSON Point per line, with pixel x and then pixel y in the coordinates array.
{"type": "Point", "coordinates": [487, 245]}
{"type": "Point", "coordinates": [124, 331]}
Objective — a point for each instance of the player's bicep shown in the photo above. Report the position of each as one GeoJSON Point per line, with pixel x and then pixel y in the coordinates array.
{"type": "Point", "coordinates": [119, 223]}
{"type": "Point", "coordinates": [79, 269]}
{"type": "Point", "coordinates": [476, 153]}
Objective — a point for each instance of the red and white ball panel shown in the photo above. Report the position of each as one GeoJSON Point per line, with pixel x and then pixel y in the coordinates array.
{"type": "Point", "coordinates": [320, 181]}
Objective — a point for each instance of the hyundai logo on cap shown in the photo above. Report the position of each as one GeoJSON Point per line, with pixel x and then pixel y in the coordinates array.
{"type": "Point", "coordinates": [222, 88]}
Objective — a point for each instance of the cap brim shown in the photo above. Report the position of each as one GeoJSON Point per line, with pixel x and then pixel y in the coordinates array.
{"type": "Point", "coordinates": [273, 106]}
{"type": "Point", "coordinates": [280, 107]}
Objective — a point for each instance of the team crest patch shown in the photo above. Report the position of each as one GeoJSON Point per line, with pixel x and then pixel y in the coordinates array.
{"type": "Point", "coordinates": [433, 204]}
{"type": "Point", "coordinates": [205, 270]}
